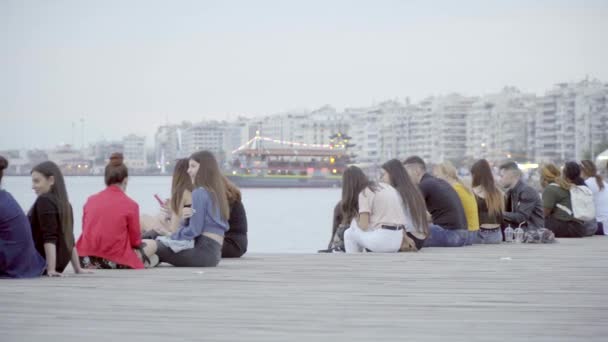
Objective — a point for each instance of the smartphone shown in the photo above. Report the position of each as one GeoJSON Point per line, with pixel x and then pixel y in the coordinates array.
{"type": "Point", "coordinates": [160, 201]}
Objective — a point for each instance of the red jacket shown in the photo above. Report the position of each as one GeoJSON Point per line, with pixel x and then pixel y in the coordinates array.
{"type": "Point", "coordinates": [110, 228]}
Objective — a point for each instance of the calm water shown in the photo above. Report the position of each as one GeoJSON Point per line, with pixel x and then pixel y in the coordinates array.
{"type": "Point", "coordinates": [280, 220]}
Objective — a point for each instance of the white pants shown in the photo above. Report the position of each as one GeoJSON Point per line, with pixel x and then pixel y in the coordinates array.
{"type": "Point", "coordinates": [376, 240]}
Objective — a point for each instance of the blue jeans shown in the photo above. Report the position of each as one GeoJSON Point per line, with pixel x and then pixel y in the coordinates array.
{"type": "Point", "coordinates": [489, 236]}
{"type": "Point", "coordinates": [472, 238]}
{"type": "Point", "coordinates": [441, 237]}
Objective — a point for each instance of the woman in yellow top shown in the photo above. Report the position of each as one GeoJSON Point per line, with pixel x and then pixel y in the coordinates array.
{"type": "Point", "coordinates": [447, 172]}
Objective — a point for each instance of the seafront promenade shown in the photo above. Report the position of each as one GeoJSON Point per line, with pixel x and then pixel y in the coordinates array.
{"type": "Point", "coordinates": [523, 292]}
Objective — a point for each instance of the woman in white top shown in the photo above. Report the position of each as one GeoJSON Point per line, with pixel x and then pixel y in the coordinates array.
{"type": "Point", "coordinates": [414, 207]}
{"type": "Point", "coordinates": [378, 216]}
{"type": "Point", "coordinates": [599, 187]}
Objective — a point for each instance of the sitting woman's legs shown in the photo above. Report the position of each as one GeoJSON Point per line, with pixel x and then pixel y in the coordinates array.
{"type": "Point", "coordinates": [591, 227]}
{"type": "Point", "coordinates": [490, 236]}
{"type": "Point", "coordinates": [205, 253]}
{"type": "Point", "coordinates": [600, 228]}
{"type": "Point", "coordinates": [565, 229]}
{"type": "Point", "coordinates": [441, 237]}
{"type": "Point", "coordinates": [376, 240]}
{"type": "Point", "coordinates": [153, 222]}
{"type": "Point", "coordinates": [150, 247]}
{"type": "Point", "coordinates": [234, 246]}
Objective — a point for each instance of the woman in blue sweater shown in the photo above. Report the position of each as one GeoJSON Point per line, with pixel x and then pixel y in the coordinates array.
{"type": "Point", "coordinates": [18, 256]}
{"type": "Point", "coordinates": [198, 240]}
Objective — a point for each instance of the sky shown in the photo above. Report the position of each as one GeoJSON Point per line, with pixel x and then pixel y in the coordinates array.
{"type": "Point", "coordinates": [129, 66]}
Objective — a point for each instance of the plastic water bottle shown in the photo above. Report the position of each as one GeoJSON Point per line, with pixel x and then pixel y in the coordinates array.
{"type": "Point", "coordinates": [519, 235]}
{"type": "Point", "coordinates": [508, 234]}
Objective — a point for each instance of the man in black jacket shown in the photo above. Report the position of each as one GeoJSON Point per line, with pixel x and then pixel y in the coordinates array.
{"type": "Point", "coordinates": [523, 204]}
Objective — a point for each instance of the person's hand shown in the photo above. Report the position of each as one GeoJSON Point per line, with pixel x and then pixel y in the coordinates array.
{"type": "Point", "coordinates": [81, 270]}
{"type": "Point", "coordinates": [53, 273]}
{"type": "Point", "coordinates": [187, 213]}
{"type": "Point", "coordinates": [165, 209]}
{"type": "Point", "coordinates": [162, 231]}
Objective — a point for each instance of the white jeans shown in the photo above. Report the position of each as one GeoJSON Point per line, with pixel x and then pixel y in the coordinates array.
{"type": "Point", "coordinates": [376, 240]}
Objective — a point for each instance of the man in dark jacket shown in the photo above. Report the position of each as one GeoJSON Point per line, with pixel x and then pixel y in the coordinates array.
{"type": "Point", "coordinates": [523, 204]}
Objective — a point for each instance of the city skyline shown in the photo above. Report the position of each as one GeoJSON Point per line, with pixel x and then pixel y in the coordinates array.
{"type": "Point", "coordinates": [568, 122]}
{"type": "Point", "coordinates": [77, 133]}
{"type": "Point", "coordinates": [128, 67]}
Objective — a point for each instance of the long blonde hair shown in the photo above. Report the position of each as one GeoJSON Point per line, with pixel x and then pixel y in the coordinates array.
{"type": "Point", "coordinates": [180, 183]}
{"type": "Point", "coordinates": [448, 173]}
{"type": "Point", "coordinates": [549, 173]}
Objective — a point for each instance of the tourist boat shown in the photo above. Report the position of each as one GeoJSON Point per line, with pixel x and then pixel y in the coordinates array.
{"type": "Point", "coordinates": [272, 163]}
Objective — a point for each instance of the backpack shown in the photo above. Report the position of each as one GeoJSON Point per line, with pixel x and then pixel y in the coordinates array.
{"type": "Point", "coordinates": [583, 208]}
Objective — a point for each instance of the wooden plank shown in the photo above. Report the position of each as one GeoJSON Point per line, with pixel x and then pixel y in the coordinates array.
{"type": "Point", "coordinates": [542, 293]}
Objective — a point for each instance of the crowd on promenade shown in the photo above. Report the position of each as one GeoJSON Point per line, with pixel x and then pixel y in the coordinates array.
{"type": "Point", "coordinates": [409, 207]}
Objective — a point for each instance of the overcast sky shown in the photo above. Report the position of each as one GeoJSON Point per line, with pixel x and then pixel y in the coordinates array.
{"type": "Point", "coordinates": [128, 66]}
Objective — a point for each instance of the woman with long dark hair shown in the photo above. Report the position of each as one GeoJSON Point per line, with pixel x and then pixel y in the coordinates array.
{"type": "Point", "coordinates": [599, 187]}
{"type": "Point", "coordinates": [235, 239]}
{"type": "Point", "coordinates": [198, 241]}
{"type": "Point", "coordinates": [18, 257]}
{"type": "Point", "coordinates": [376, 212]}
{"type": "Point", "coordinates": [490, 203]}
{"type": "Point", "coordinates": [111, 237]}
{"type": "Point", "coordinates": [417, 225]}
{"type": "Point", "coordinates": [353, 182]}
{"type": "Point", "coordinates": [557, 204]}
{"type": "Point", "coordinates": [52, 220]}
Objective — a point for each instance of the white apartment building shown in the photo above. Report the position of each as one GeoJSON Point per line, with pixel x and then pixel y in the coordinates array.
{"type": "Point", "coordinates": [135, 152]}
{"type": "Point", "coordinates": [591, 108]}
{"type": "Point", "coordinates": [364, 130]}
{"type": "Point", "coordinates": [207, 136]}
{"type": "Point", "coordinates": [235, 135]}
{"type": "Point", "coordinates": [438, 128]}
{"type": "Point", "coordinates": [169, 144]}
{"type": "Point", "coordinates": [419, 139]}
{"type": "Point", "coordinates": [497, 126]}
{"type": "Point", "coordinates": [301, 126]}
{"type": "Point", "coordinates": [394, 126]}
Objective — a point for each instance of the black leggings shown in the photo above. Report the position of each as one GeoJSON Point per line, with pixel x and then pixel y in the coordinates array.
{"type": "Point", "coordinates": [600, 229]}
{"type": "Point", "coordinates": [565, 229]}
{"type": "Point", "coordinates": [206, 253]}
{"type": "Point", "coordinates": [234, 246]}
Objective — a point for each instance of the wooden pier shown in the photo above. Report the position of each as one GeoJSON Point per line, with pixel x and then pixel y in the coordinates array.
{"type": "Point", "coordinates": [555, 292]}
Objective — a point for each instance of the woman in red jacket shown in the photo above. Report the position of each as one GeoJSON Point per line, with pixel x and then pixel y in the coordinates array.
{"type": "Point", "coordinates": [111, 236]}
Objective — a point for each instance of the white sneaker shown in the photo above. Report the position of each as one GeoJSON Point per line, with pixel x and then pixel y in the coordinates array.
{"type": "Point", "coordinates": [154, 261]}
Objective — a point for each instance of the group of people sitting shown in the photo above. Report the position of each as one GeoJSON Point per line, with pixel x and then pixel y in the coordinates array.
{"type": "Point", "coordinates": [409, 208]}
{"type": "Point", "coordinates": [202, 222]}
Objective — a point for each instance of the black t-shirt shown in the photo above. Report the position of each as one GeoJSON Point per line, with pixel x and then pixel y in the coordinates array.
{"type": "Point", "coordinates": [46, 227]}
{"type": "Point", "coordinates": [443, 203]}
{"type": "Point", "coordinates": [238, 220]}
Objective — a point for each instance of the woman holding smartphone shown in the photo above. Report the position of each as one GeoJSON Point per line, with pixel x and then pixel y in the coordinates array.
{"type": "Point", "coordinates": [172, 209]}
